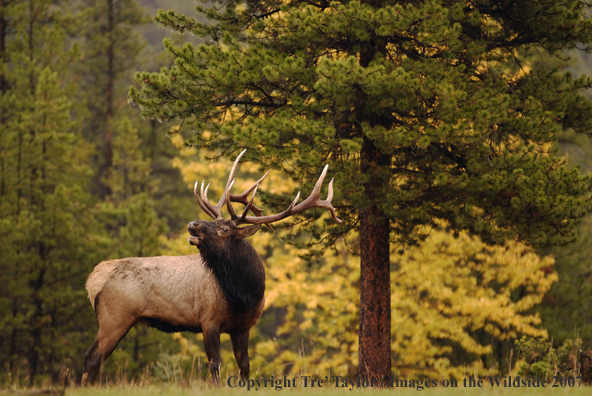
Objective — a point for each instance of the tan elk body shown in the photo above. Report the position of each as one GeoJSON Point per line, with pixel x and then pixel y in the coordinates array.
{"type": "Point", "coordinates": [219, 290]}
{"type": "Point", "coordinates": [188, 293]}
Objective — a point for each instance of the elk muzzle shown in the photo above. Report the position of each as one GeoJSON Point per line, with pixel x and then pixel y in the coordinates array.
{"type": "Point", "coordinates": [196, 231]}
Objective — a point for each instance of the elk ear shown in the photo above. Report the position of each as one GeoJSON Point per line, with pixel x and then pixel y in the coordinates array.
{"type": "Point", "coordinates": [247, 231]}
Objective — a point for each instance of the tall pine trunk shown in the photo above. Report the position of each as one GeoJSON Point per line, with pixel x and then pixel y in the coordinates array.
{"type": "Point", "coordinates": [375, 286]}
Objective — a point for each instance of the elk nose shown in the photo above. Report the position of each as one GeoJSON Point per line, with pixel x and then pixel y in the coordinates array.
{"type": "Point", "coordinates": [194, 225]}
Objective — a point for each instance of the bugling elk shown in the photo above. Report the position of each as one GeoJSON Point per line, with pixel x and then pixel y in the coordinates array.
{"type": "Point", "coordinates": [219, 290]}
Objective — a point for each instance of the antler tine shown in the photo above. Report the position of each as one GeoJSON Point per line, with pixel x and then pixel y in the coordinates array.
{"type": "Point", "coordinates": [229, 182]}
{"type": "Point", "coordinates": [248, 204]}
{"type": "Point", "coordinates": [234, 166]}
{"type": "Point", "coordinates": [328, 202]}
{"type": "Point", "coordinates": [229, 206]}
{"type": "Point", "coordinates": [242, 218]}
{"type": "Point", "coordinates": [200, 202]}
{"type": "Point", "coordinates": [316, 191]}
{"type": "Point", "coordinates": [312, 201]}
{"type": "Point", "coordinates": [216, 211]}
{"type": "Point", "coordinates": [213, 209]}
{"type": "Point", "coordinates": [330, 192]}
{"type": "Point", "coordinates": [243, 197]}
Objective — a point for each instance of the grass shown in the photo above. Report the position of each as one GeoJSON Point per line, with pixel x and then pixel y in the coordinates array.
{"type": "Point", "coordinates": [205, 390]}
{"type": "Point", "coordinates": [178, 383]}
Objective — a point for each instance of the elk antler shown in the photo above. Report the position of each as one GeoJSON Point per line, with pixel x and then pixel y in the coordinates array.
{"type": "Point", "coordinates": [313, 201]}
{"type": "Point", "coordinates": [215, 212]}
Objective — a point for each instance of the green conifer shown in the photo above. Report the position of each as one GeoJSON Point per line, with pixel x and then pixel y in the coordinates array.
{"type": "Point", "coordinates": [48, 238]}
{"type": "Point", "coordinates": [111, 47]}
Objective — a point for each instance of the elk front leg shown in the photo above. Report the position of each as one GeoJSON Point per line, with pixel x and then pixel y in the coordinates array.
{"type": "Point", "coordinates": [240, 346]}
{"type": "Point", "coordinates": [212, 345]}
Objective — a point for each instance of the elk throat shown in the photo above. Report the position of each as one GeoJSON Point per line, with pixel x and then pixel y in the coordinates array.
{"type": "Point", "coordinates": [239, 272]}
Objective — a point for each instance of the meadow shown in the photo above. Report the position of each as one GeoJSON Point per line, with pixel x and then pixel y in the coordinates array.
{"type": "Point", "coordinates": [301, 385]}
{"type": "Point", "coordinates": [209, 389]}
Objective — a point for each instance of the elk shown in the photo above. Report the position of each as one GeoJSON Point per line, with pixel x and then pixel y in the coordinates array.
{"type": "Point", "coordinates": [219, 290]}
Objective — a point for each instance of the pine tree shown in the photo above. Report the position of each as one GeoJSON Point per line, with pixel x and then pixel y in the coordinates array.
{"type": "Point", "coordinates": [47, 228]}
{"type": "Point", "coordinates": [425, 110]}
{"type": "Point", "coordinates": [111, 46]}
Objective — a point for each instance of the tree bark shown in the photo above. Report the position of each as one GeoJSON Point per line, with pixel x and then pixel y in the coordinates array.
{"type": "Point", "coordinates": [375, 284]}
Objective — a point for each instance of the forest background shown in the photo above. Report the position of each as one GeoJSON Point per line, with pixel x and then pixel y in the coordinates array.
{"type": "Point", "coordinates": [84, 179]}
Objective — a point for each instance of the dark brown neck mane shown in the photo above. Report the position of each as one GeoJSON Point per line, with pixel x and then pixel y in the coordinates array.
{"type": "Point", "coordinates": [239, 271]}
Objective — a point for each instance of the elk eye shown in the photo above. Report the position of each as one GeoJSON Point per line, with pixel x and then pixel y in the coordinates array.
{"type": "Point", "coordinates": [222, 230]}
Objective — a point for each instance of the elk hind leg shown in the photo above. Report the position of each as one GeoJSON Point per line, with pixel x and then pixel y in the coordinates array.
{"type": "Point", "coordinates": [109, 335]}
{"type": "Point", "coordinates": [240, 346]}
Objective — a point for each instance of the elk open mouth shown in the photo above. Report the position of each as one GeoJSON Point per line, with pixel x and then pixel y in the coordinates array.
{"type": "Point", "coordinates": [195, 237]}
{"type": "Point", "coordinates": [195, 240]}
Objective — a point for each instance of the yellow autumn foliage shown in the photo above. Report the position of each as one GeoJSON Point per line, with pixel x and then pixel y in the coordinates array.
{"type": "Point", "coordinates": [446, 295]}
{"type": "Point", "coordinates": [450, 288]}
